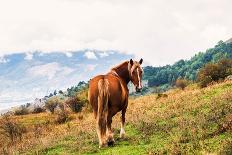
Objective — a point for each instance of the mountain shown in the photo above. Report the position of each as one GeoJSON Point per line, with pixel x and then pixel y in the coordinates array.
{"type": "Point", "coordinates": [167, 75]}
{"type": "Point", "coordinates": [229, 41]}
{"type": "Point", "coordinates": [26, 76]}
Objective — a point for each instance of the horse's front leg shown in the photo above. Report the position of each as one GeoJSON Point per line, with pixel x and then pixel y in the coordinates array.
{"type": "Point", "coordinates": [122, 132]}
{"type": "Point", "coordinates": [110, 133]}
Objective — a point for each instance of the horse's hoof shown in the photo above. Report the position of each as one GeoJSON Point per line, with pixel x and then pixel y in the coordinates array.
{"type": "Point", "coordinates": [103, 145]}
{"type": "Point", "coordinates": [122, 133]}
{"type": "Point", "coordinates": [111, 143]}
{"type": "Point", "coordinates": [122, 136]}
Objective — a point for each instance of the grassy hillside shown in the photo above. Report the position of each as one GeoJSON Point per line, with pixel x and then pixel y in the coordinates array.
{"type": "Point", "coordinates": [193, 121]}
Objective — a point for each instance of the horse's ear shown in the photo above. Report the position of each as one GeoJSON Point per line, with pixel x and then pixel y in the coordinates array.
{"type": "Point", "coordinates": [140, 61]}
{"type": "Point", "coordinates": [131, 62]}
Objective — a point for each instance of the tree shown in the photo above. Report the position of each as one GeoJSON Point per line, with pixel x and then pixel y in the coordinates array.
{"type": "Point", "coordinates": [61, 92]}
{"type": "Point", "coordinates": [55, 93]}
{"type": "Point", "coordinates": [50, 95]}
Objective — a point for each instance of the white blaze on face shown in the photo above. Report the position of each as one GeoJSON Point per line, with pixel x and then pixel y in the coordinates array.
{"type": "Point", "coordinates": [140, 82]}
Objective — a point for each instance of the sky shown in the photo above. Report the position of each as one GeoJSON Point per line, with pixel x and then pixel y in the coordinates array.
{"type": "Point", "coordinates": [160, 31]}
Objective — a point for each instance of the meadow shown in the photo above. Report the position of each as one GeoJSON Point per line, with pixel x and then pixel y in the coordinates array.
{"type": "Point", "coordinates": [190, 121]}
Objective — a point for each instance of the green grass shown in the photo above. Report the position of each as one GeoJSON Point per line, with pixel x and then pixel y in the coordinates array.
{"type": "Point", "coordinates": [68, 145]}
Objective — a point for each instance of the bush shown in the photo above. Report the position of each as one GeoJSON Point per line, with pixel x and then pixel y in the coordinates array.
{"type": "Point", "coordinates": [11, 129]}
{"type": "Point", "coordinates": [38, 109]}
{"type": "Point", "coordinates": [160, 95]}
{"type": "Point", "coordinates": [225, 68]}
{"type": "Point", "coordinates": [83, 96]}
{"type": "Point", "coordinates": [22, 110]}
{"type": "Point", "coordinates": [75, 104]}
{"type": "Point", "coordinates": [52, 103]}
{"type": "Point", "coordinates": [214, 72]}
{"type": "Point", "coordinates": [62, 117]}
{"type": "Point", "coordinates": [181, 83]}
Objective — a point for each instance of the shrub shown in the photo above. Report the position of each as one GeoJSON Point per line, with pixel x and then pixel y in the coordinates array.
{"type": "Point", "coordinates": [181, 83]}
{"type": "Point", "coordinates": [207, 74]}
{"type": "Point", "coordinates": [83, 96]}
{"type": "Point", "coordinates": [75, 104]}
{"type": "Point", "coordinates": [214, 72]}
{"type": "Point", "coordinates": [11, 129]}
{"type": "Point", "coordinates": [38, 109]}
{"type": "Point", "coordinates": [225, 68]}
{"type": "Point", "coordinates": [52, 103]}
{"type": "Point", "coordinates": [62, 117]}
{"type": "Point", "coordinates": [22, 110]}
{"type": "Point", "coordinates": [160, 95]}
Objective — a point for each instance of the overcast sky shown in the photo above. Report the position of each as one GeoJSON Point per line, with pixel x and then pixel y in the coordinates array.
{"type": "Point", "coordinates": [160, 31]}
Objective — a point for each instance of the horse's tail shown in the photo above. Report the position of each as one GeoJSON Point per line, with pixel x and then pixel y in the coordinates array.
{"type": "Point", "coordinates": [103, 97]}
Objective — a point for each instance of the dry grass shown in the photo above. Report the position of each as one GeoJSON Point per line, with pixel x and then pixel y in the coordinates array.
{"type": "Point", "coordinates": [193, 121]}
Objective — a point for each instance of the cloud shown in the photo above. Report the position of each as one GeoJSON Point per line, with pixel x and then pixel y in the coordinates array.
{"type": "Point", "coordinates": [68, 54]}
{"type": "Point", "coordinates": [90, 55]}
{"type": "Point", "coordinates": [14, 98]}
{"type": "Point", "coordinates": [3, 60]}
{"type": "Point", "coordinates": [29, 56]}
{"type": "Point", "coordinates": [103, 54]}
{"type": "Point", "coordinates": [90, 67]}
{"type": "Point", "coordinates": [160, 31]}
{"type": "Point", "coordinates": [49, 70]}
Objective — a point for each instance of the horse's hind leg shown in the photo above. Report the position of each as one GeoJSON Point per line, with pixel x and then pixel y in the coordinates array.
{"type": "Point", "coordinates": [109, 132]}
{"type": "Point", "coordinates": [122, 132]}
{"type": "Point", "coordinates": [101, 137]}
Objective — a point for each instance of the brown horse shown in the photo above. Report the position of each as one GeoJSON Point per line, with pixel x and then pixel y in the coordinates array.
{"type": "Point", "coordinates": [108, 94]}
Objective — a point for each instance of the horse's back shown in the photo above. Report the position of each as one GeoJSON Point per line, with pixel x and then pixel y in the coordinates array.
{"type": "Point", "coordinates": [118, 93]}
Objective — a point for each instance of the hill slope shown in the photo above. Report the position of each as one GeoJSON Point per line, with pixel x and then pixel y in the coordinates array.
{"type": "Point", "coordinates": [194, 121]}
{"type": "Point", "coordinates": [186, 68]}
{"type": "Point", "coordinates": [229, 41]}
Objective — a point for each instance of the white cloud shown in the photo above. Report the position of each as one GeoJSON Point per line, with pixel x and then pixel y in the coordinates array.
{"type": "Point", "coordinates": [90, 55]}
{"type": "Point", "coordinates": [14, 98]}
{"type": "Point", "coordinates": [160, 31]}
{"type": "Point", "coordinates": [90, 67]}
{"type": "Point", "coordinates": [103, 54]}
{"type": "Point", "coordinates": [29, 56]}
{"type": "Point", "coordinates": [49, 70]}
{"type": "Point", "coordinates": [68, 54]}
{"type": "Point", "coordinates": [3, 60]}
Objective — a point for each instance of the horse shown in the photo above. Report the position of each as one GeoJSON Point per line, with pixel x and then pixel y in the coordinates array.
{"type": "Point", "coordinates": [108, 95]}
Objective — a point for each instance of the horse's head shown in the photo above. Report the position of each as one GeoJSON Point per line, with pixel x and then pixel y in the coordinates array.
{"type": "Point", "coordinates": [136, 72]}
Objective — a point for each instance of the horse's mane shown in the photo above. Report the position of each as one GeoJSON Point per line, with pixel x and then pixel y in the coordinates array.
{"type": "Point", "coordinates": [118, 66]}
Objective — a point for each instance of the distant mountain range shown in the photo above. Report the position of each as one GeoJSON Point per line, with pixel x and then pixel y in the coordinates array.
{"type": "Point", "coordinates": [26, 76]}
{"type": "Point", "coordinates": [229, 41]}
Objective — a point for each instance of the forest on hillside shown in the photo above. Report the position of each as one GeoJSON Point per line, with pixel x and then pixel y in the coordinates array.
{"type": "Point", "coordinates": [187, 69]}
